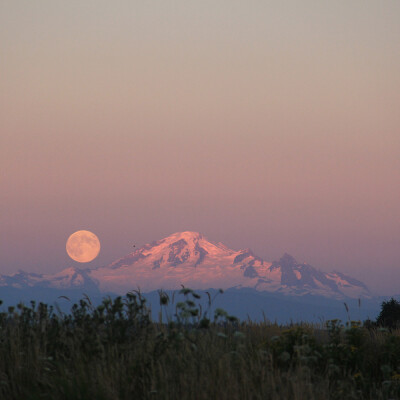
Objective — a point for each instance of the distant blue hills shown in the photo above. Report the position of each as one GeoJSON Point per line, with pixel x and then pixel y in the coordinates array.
{"type": "Point", "coordinates": [244, 303]}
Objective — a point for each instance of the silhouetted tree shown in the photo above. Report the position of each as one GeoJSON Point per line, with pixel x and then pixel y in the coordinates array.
{"type": "Point", "coordinates": [389, 316]}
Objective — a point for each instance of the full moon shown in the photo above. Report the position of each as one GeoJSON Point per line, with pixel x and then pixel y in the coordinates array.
{"type": "Point", "coordinates": [83, 246]}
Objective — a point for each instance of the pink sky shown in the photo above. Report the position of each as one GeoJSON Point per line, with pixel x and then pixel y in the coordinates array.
{"type": "Point", "coordinates": [269, 125]}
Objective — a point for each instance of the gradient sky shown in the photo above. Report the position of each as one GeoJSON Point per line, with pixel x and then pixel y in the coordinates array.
{"type": "Point", "coordinates": [273, 125]}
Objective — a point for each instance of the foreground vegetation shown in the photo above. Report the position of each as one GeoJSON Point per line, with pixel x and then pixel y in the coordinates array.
{"type": "Point", "coordinates": [115, 351]}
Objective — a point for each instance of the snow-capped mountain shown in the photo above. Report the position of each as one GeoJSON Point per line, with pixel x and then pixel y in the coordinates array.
{"type": "Point", "coordinates": [189, 259]}
{"type": "Point", "coordinates": [69, 278]}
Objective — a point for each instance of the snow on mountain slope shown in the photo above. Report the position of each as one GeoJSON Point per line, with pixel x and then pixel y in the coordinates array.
{"type": "Point", "coordinates": [68, 278]}
{"type": "Point", "coordinates": [303, 278]}
{"type": "Point", "coordinates": [21, 279]}
{"type": "Point", "coordinates": [185, 258]}
{"type": "Point", "coordinates": [189, 259]}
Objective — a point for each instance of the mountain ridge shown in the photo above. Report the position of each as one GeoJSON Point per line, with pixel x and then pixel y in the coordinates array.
{"type": "Point", "coordinates": [190, 259]}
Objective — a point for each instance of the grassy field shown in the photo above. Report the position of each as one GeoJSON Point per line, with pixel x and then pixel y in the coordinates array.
{"type": "Point", "coordinates": [115, 351]}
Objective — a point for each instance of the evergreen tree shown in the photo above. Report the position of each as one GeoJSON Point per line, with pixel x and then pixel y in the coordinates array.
{"type": "Point", "coordinates": [390, 314]}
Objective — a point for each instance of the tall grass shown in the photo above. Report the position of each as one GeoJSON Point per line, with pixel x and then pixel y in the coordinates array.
{"type": "Point", "coordinates": [115, 351]}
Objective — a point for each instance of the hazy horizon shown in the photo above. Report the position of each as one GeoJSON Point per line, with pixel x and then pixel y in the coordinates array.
{"type": "Point", "coordinates": [273, 126]}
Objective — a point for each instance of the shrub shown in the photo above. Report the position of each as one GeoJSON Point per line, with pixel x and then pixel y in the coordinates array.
{"type": "Point", "coordinates": [389, 316]}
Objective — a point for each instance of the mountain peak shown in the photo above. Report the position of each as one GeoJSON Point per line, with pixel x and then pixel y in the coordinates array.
{"type": "Point", "coordinates": [188, 234]}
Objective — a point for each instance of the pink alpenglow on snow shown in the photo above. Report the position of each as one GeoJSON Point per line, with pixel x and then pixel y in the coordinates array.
{"type": "Point", "coordinates": [184, 258]}
{"type": "Point", "coordinates": [190, 259]}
